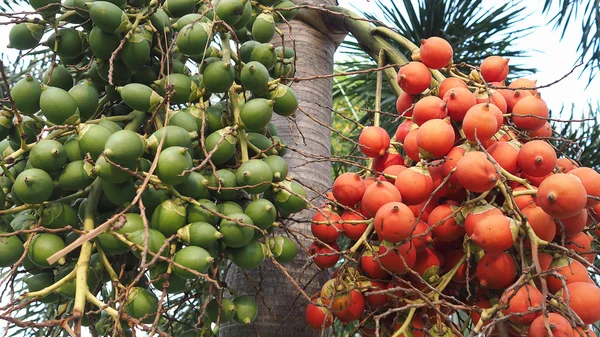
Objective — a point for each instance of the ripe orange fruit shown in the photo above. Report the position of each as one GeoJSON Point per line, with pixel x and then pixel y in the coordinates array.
{"type": "Point", "coordinates": [559, 326]}
{"type": "Point", "coordinates": [495, 233]}
{"type": "Point", "coordinates": [525, 84]}
{"type": "Point", "coordinates": [377, 195]}
{"type": "Point", "coordinates": [394, 222]}
{"type": "Point", "coordinates": [525, 298]}
{"type": "Point", "coordinates": [476, 173]}
{"type": "Point", "coordinates": [591, 182]}
{"type": "Point", "coordinates": [414, 78]}
{"type": "Point", "coordinates": [537, 158]}
{"type": "Point", "coordinates": [348, 188]}
{"type": "Point", "coordinates": [404, 104]}
{"type": "Point", "coordinates": [374, 141]}
{"type": "Point", "coordinates": [480, 122]}
{"type": "Point", "coordinates": [562, 195]}
{"type": "Point", "coordinates": [429, 107]}
{"type": "Point", "coordinates": [449, 83]}
{"type": "Point", "coordinates": [415, 185]}
{"type": "Point", "coordinates": [435, 138]}
{"type": "Point", "coordinates": [435, 52]}
{"type": "Point", "coordinates": [494, 68]}
{"type": "Point", "coordinates": [530, 113]}
{"type": "Point", "coordinates": [458, 101]}
{"type": "Point", "coordinates": [496, 270]}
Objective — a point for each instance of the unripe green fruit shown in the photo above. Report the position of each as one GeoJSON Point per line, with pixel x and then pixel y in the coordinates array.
{"type": "Point", "coordinates": [225, 149]}
{"type": "Point", "coordinates": [67, 42]}
{"type": "Point", "coordinates": [214, 119]}
{"type": "Point", "coordinates": [229, 207]}
{"type": "Point", "coordinates": [156, 241]}
{"type": "Point", "coordinates": [254, 76]}
{"type": "Point", "coordinates": [152, 197]}
{"type": "Point", "coordinates": [262, 212]}
{"type": "Point", "coordinates": [175, 136]}
{"type": "Point", "coordinates": [224, 187]}
{"type": "Point", "coordinates": [249, 256]}
{"type": "Point", "coordinates": [69, 289]}
{"type": "Point", "coordinates": [72, 150]}
{"type": "Point", "coordinates": [140, 97]}
{"type": "Point", "coordinates": [179, 8]}
{"type": "Point", "coordinates": [218, 77]}
{"type": "Point", "coordinates": [169, 217]}
{"type": "Point", "coordinates": [121, 74]}
{"type": "Point", "coordinates": [131, 223]}
{"type": "Point", "coordinates": [222, 313]}
{"type": "Point", "coordinates": [57, 215]}
{"type": "Point", "coordinates": [176, 283]}
{"type": "Point", "coordinates": [286, 102]}
{"type": "Point", "coordinates": [283, 248]}
{"type": "Point", "coordinates": [108, 17]}
{"type": "Point", "coordinates": [40, 281]}
{"type": "Point", "coordinates": [26, 93]}
{"type": "Point", "coordinates": [57, 105]}
{"type": "Point", "coordinates": [193, 38]}
{"type": "Point", "coordinates": [11, 250]}
{"type": "Point", "coordinates": [92, 139]}
{"type": "Point", "coordinates": [112, 126]}
{"type": "Point", "coordinates": [42, 246]}
{"type": "Point", "coordinates": [288, 14]}
{"type": "Point", "coordinates": [194, 186]}
{"type": "Point", "coordinates": [246, 309]}
{"type": "Point", "coordinates": [246, 50]}
{"type": "Point", "coordinates": [145, 75]}
{"type": "Point", "coordinates": [278, 166]}
{"type": "Point", "coordinates": [111, 173]}
{"type": "Point", "coordinates": [25, 36]}
{"type": "Point", "coordinates": [264, 53]}
{"type": "Point", "coordinates": [124, 147]}
{"type": "Point", "coordinates": [33, 186]}
{"type": "Point", "coordinates": [160, 20]}
{"type": "Point", "coordinates": [284, 69]}
{"type": "Point", "coordinates": [194, 258]}
{"type": "Point", "coordinates": [172, 163]}
{"type": "Point", "coordinates": [256, 175]}
{"type": "Point", "coordinates": [230, 11]}
{"type": "Point", "coordinates": [119, 194]}
{"type": "Point", "coordinates": [184, 119]}
{"type": "Point", "coordinates": [48, 155]}
{"type": "Point", "coordinates": [86, 96]}
{"type": "Point", "coordinates": [235, 235]}
{"type": "Point", "coordinates": [263, 28]}
{"type": "Point", "coordinates": [204, 212]}
{"type": "Point", "coordinates": [246, 16]}
{"type": "Point", "coordinates": [61, 78]}
{"type": "Point", "coordinates": [142, 304]}
{"type": "Point", "coordinates": [262, 143]}
{"type": "Point", "coordinates": [136, 51]}
{"type": "Point", "coordinates": [75, 176]}
{"type": "Point", "coordinates": [187, 19]}
{"type": "Point", "coordinates": [256, 114]}
{"type": "Point", "coordinates": [50, 7]}
{"type": "Point", "coordinates": [288, 53]}
{"type": "Point", "coordinates": [185, 88]}
{"type": "Point", "coordinates": [293, 201]}
{"type": "Point", "coordinates": [201, 234]}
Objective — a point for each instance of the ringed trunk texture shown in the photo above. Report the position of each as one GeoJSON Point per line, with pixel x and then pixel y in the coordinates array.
{"type": "Point", "coordinates": [281, 306]}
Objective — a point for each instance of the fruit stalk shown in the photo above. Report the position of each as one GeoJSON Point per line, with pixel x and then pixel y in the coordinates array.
{"type": "Point", "coordinates": [363, 237]}
{"type": "Point", "coordinates": [53, 287]}
{"type": "Point", "coordinates": [404, 328]}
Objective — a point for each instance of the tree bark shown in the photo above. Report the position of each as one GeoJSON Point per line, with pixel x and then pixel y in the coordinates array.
{"type": "Point", "coordinates": [281, 307]}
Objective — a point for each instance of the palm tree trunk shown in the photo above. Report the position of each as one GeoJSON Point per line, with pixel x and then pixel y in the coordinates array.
{"type": "Point", "coordinates": [280, 304]}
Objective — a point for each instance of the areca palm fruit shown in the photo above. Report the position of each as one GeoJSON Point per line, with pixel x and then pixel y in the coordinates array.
{"type": "Point", "coordinates": [160, 20]}
{"type": "Point", "coordinates": [222, 312]}
{"type": "Point", "coordinates": [67, 42]}
{"type": "Point", "coordinates": [231, 11]}
{"type": "Point", "coordinates": [86, 96]}
{"type": "Point", "coordinates": [234, 234]}
{"type": "Point", "coordinates": [172, 162]}
{"type": "Point", "coordinates": [92, 139]}
{"type": "Point", "coordinates": [40, 281]}
{"type": "Point", "coordinates": [278, 166]}
{"type": "Point", "coordinates": [194, 186]}
{"type": "Point", "coordinates": [264, 144]}
{"type": "Point", "coordinates": [184, 119]}
{"type": "Point", "coordinates": [136, 51]}
{"type": "Point", "coordinates": [194, 258]}
{"type": "Point", "coordinates": [185, 88]}
{"type": "Point", "coordinates": [140, 97]}
{"type": "Point", "coordinates": [285, 53]}
{"type": "Point", "coordinates": [141, 304]}
{"type": "Point", "coordinates": [255, 175]}
{"type": "Point", "coordinates": [124, 147]}
{"type": "Point", "coordinates": [93, 74]}
{"type": "Point", "coordinates": [6, 123]}
{"type": "Point", "coordinates": [263, 28]}
{"type": "Point", "coordinates": [48, 155]}
{"type": "Point", "coordinates": [279, 145]}
{"type": "Point", "coordinates": [72, 150]}
{"type": "Point", "coordinates": [24, 220]}
{"type": "Point", "coordinates": [42, 246]}
{"type": "Point", "coordinates": [156, 241]}
{"type": "Point", "coordinates": [131, 223]}
{"type": "Point", "coordinates": [193, 38]}
{"type": "Point", "coordinates": [121, 74]}
{"type": "Point", "coordinates": [61, 77]}
{"type": "Point", "coordinates": [246, 50]}
{"type": "Point", "coordinates": [229, 207]}
{"type": "Point", "coordinates": [265, 54]}
{"type": "Point", "coordinates": [254, 76]}
{"type": "Point", "coordinates": [119, 194]}
{"type": "Point", "coordinates": [50, 7]}
{"type": "Point", "coordinates": [218, 77]}
{"type": "Point", "coordinates": [112, 126]}
{"type": "Point", "coordinates": [33, 186]}
{"type": "Point", "coordinates": [69, 288]}
{"type": "Point", "coordinates": [111, 173]}
{"type": "Point", "coordinates": [108, 16]}
{"type": "Point", "coordinates": [158, 273]}
{"type": "Point", "coordinates": [169, 217]}
{"type": "Point", "coordinates": [11, 250]}
{"type": "Point", "coordinates": [283, 248]}
{"type": "Point", "coordinates": [214, 118]}
{"type": "Point", "coordinates": [268, 2]}
{"type": "Point", "coordinates": [246, 309]}
{"type": "Point", "coordinates": [286, 102]}
{"type": "Point", "coordinates": [152, 197]}
{"type": "Point", "coordinates": [262, 212]}
{"type": "Point", "coordinates": [245, 18]}
{"type": "Point", "coordinates": [293, 201]}
{"type": "Point", "coordinates": [174, 136]}
{"type": "Point", "coordinates": [222, 185]}
{"type": "Point", "coordinates": [179, 8]}
{"type": "Point", "coordinates": [187, 19]}
{"type": "Point", "coordinates": [58, 215]}
{"type": "Point", "coordinates": [145, 75]}
{"type": "Point", "coordinates": [57, 105]}
{"type": "Point", "coordinates": [249, 256]}
{"type": "Point", "coordinates": [284, 69]}
{"type": "Point", "coordinates": [25, 35]}
{"type": "Point", "coordinates": [205, 211]}
{"type": "Point", "coordinates": [26, 94]}
{"type": "Point", "coordinates": [179, 67]}
{"type": "Point", "coordinates": [201, 234]}
{"type": "Point", "coordinates": [75, 176]}
{"type": "Point", "coordinates": [225, 148]}
{"type": "Point", "coordinates": [256, 114]}
{"type": "Point", "coordinates": [284, 8]}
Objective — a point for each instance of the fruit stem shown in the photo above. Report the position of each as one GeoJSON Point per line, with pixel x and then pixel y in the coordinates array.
{"type": "Point", "coordinates": [85, 254]}
{"type": "Point", "coordinates": [486, 314]}
{"type": "Point", "coordinates": [404, 328]}
{"type": "Point", "coordinates": [95, 301]}
{"type": "Point", "coordinates": [445, 280]}
{"type": "Point", "coordinates": [524, 192]}
{"type": "Point", "coordinates": [378, 87]}
{"type": "Point", "coordinates": [66, 15]}
{"type": "Point", "coordinates": [111, 272]}
{"type": "Point", "coordinates": [51, 288]}
{"type": "Point", "coordinates": [363, 237]}
{"type": "Point", "coordinates": [514, 178]}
